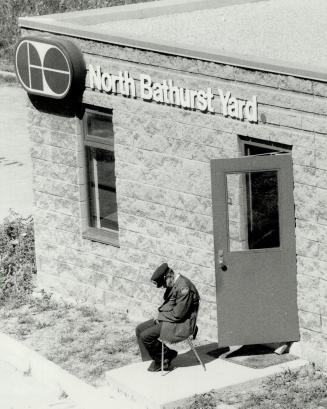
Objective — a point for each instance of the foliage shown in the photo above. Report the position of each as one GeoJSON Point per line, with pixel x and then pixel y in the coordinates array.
{"type": "Point", "coordinates": [10, 10]}
{"type": "Point", "coordinates": [17, 258]}
{"type": "Point", "coordinates": [204, 401]}
{"type": "Point", "coordinates": [43, 301]}
{"type": "Point", "coordinates": [302, 389]}
{"type": "Point", "coordinates": [298, 389]}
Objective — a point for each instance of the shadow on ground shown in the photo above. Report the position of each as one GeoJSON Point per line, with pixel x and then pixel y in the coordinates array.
{"type": "Point", "coordinates": [252, 356]}
{"type": "Point", "coordinates": [207, 353]}
{"type": "Point", "coordinates": [258, 356]}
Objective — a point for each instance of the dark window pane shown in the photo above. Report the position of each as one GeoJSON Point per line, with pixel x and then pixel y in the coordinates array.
{"type": "Point", "coordinates": [263, 217]}
{"type": "Point", "coordinates": [253, 215]}
{"type": "Point", "coordinates": [102, 188]}
{"type": "Point", "coordinates": [265, 150]}
{"type": "Point", "coordinates": [258, 150]}
{"type": "Point", "coordinates": [100, 126]}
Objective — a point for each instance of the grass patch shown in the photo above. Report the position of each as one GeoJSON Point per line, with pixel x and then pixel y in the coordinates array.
{"type": "Point", "coordinates": [298, 389]}
{"type": "Point", "coordinates": [80, 339]}
{"type": "Point", "coordinates": [302, 389]}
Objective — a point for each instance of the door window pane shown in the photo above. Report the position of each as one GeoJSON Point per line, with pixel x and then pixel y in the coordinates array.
{"type": "Point", "coordinates": [253, 215]}
{"type": "Point", "coordinates": [102, 188]}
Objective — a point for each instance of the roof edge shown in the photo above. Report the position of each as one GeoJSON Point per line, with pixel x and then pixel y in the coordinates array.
{"type": "Point", "coordinates": [133, 11]}
{"type": "Point", "coordinates": [217, 56]}
{"type": "Point", "coordinates": [75, 24]}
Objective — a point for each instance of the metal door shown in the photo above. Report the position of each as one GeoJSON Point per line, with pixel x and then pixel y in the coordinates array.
{"type": "Point", "coordinates": [255, 262]}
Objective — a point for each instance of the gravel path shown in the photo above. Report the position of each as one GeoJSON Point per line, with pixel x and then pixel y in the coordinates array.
{"type": "Point", "coordinates": [293, 31]}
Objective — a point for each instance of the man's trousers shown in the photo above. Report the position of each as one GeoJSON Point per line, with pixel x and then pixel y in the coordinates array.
{"type": "Point", "coordinates": [147, 335]}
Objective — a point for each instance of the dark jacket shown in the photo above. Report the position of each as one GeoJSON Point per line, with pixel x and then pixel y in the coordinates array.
{"type": "Point", "coordinates": [179, 310]}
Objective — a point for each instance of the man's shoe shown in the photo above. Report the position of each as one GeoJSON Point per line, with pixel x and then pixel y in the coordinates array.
{"type": "Point", "coordinates": [167, 366]}
{"type": "Point", "coordinates": [171, 354]}
{"type": "Point", "coordinates": [155, 366]}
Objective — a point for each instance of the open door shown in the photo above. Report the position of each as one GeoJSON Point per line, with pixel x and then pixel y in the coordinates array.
{"type": "Point", "coordinates": [255, 260]}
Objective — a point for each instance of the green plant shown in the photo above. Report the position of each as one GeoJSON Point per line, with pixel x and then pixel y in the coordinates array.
{"type": "Point", "coordinates": [204, 401]}
{"type": "Point", "coordinates": [43, 302]}
{"type": "Point", "coordinates": [86, 310]}
{"type": "Point", "coordinates": [23, 332]}
{"type": "Point", "coordinates": [17, 258]}
{"type": "Point", "coordinates": [25, 319]}
{"type": "Point", "coordinates": [84, 328]}
{"type": "Point", "coordinates": [42, 324]}
{"type": "Point", "coordinates": [66, 339]}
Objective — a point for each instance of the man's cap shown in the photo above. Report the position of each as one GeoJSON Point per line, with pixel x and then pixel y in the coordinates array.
{"type": "Point", "coordinates": [159, 275]}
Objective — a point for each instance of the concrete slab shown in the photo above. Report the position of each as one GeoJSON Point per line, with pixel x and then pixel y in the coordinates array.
{"type": "Point", "coordinates": [152, 390]}
{"type": "Point", "coordinates": [19, 391]}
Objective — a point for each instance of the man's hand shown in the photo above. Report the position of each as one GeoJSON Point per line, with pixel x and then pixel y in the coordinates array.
{"type": "Point", "coordinates": [156, 321]}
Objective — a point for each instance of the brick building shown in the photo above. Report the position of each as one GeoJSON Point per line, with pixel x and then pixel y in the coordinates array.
{"type": "Point", "coordinates": [188, 149]}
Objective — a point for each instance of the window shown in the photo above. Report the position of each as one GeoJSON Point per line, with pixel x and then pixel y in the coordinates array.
{"type": "Point", "coordinates": [258, 214]}
{"type": "Point", "coordinates": [101, 179]}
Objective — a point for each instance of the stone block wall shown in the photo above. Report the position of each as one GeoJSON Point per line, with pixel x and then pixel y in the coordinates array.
{"type": "Point", "coordinates": [163, 186]}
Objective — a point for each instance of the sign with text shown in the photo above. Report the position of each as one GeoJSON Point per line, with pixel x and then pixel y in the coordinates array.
{"type": "Point", "coordinates": [166, 92]}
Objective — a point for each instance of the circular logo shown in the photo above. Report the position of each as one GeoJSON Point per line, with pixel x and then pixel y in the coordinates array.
{"type": "Point", "coordinates": [43, 68]}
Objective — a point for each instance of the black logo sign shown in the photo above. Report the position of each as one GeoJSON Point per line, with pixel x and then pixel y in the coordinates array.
{"type": "Point", "coordinates": [49, 67]}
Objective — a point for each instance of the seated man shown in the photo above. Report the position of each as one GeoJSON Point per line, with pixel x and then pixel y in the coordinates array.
{"type": "Point", "coordinates": [181, 300]}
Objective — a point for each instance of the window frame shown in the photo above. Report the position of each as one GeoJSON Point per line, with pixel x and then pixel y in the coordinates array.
{"type": "Point", "coordinates": [102, 235]}
{"type": "Point", "coordinates": [276, 148]}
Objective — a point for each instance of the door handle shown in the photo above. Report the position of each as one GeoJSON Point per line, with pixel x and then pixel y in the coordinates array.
{"type": "Point", "coordinates": [221, 263]}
